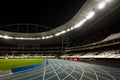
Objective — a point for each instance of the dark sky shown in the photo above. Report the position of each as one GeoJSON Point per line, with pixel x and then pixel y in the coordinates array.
{"type": "Point", "coordinates": [52, 13]}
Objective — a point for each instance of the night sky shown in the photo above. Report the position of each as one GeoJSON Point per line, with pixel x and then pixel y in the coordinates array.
{"type": "Point", "coordinates": [51, 13]}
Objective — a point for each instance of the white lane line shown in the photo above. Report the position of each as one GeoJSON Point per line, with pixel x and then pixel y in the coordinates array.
{"type": "Point", "coordinates": [83, 71]}
{"type": "Point", "coordinates": [94, 72]}
{"type": "Point", "coordinates": [102, 74]}
{"type": "Point", "coordinates": [63, 70]}
{"type": "Point", "coordinates": [80, 74]}
{"type": "Point", "coordinates": [69, 74]}
{"type": "Point", "coordinates": [55, 64]}
{"type": "Point", "coordinates": [106, 73]}
{"type": "Point", "coordinates": [84, 75]}
{"type": "Point", "coordinates": [73, 70]}
{"type": "Point", "coordinates": [66, 66]}
{"type": "Point", "coordinates": [35, 73]}
{"type": "Point", "coordinates": [90, 68]}
{"type": "Point", "coordinates": [55, 71]}
{"type": "Point", "coordinates": [99, 75]}
{"type": "Point", "coordinates": [117, 74]}
{"type": "Point", "coordinates": [47, 72]}
{"type": "Point", "coordinates": [89, 73]}
{"type": "Point", "coordinates": [6, 74]}
{"type": "Point", "coordinates": [44, 72]}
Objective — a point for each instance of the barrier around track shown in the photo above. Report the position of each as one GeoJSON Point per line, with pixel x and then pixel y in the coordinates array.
{"type": "Point", "coordinates": [27, 67]}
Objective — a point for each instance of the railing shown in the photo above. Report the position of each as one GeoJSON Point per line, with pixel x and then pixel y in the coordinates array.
{"type": "Point", "coordinates": [96, 45]}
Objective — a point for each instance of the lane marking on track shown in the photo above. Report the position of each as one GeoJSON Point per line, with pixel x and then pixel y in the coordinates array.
{"type": "Point", "coordinates": [103, 76]}
{"type": "Point", "coordinates": [81, 66]}
{"type": "Point", "coordinates": [84, 75]}
{"type": "Point", "coordinates": [94, 72]}
{"type": "Point", "coordinates": [67, 63]}
{"type": "Point", "coordinates": [63, 70]}
{"type": "Point", "coordinates": [55, 71]}
{"type": "Point", "coordinates": [47, 72]}
{"type": "Point", "coordinates": [44, 72]}
{"type": "Point", "coordinates": [69, 74]}
{"type": "Point", "coordinates": [101, 72]}
{"type": "Point", "coordinates": [83, 71]}
{"type": "Point", "coordinates": [106, 72]}
{"type": "Point", "coordinates": [35, 73]}
{"type": "Point", "coordinates": [66, 66]}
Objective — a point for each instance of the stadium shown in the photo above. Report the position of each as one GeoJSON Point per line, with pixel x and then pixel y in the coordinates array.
{"type": "Point", "coordinates": [61, 40]}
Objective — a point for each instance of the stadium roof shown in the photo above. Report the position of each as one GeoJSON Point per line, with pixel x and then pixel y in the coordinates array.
{"type": "Point", "coordinates": [99, 10]}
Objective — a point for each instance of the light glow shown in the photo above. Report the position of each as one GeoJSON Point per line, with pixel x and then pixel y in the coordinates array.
{"type": "Point", "coordinates": [43, 37]}
{"type": "Point", "coordinates": [101, 5]}
{"type": "Point", "coordinates": [90, 15]}
{"type": "Point", "coordinates": [72, 28]}
{"type": "Point", "coordinates": [7, 37]}
{"type": "Point", "coordinates": [64, 31]}
{"type": "Point", "coordinates": [68, 30]}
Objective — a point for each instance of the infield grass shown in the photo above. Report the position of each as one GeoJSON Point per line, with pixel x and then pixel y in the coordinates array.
{"type": "Point", "coordinates": [7, 64]}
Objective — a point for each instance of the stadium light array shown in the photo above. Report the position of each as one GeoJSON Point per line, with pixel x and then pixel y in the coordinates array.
{"type": "Point", "coordinates": [7, 37]}
{"type": "Point", "coordinates": [64, 31]}
{"type": "Point", "coordinates": [71, 28]}
{"type": "Point", "coordinates": [43, 37]}
{"type": "Point", "coordinates": [101, 5]}
{"type": "Point", "coordinates": [59, 33]}
{"type": "Point", "coordinates": [68, 30]}
{"type": "Point", "coordinates": [90, 15]}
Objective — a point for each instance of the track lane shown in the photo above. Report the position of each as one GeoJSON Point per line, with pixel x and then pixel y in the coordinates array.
{"type": "Point", "coordinates": [67, 70]}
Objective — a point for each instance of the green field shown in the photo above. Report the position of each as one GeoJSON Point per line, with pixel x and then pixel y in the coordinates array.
{"type": "Point", "coordinates": [7, 64]}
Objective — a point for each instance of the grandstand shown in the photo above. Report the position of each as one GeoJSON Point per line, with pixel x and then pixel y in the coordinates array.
{"type": "Point", "coordinates": [86, 47]}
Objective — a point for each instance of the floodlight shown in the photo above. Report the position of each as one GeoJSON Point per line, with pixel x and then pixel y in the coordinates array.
{"type": "Point", "coordinates": [7, 37]}
{"type": "Point", "coordinates": [80, 23]}
{"type": "Point", "coordinates": [21, 38]}
{"type": "Point", "coordinates": [90, 15]}
{"type": "Point", "coordinates": [101, 5]}
{"type": "Point", "coordinates": [43, 37]}
{"type": "Point", "coordinates": [51, 36]}
{"type": "Point", "coordinates": [72, 28]}
{"type": "Point", "coordinates": [0, 35]}
{"type": "Point", "coordinates": [57, 34]}
{"type": "Point", "coordinates": [108, 0]}
{"type": "Point", "coordinates": [64, 31]}
{"type": "Point", "coordinates": [68, 30]}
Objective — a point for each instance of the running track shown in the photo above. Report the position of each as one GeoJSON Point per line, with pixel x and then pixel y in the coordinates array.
{"type": "Point", "coordinates": [56, 69]}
